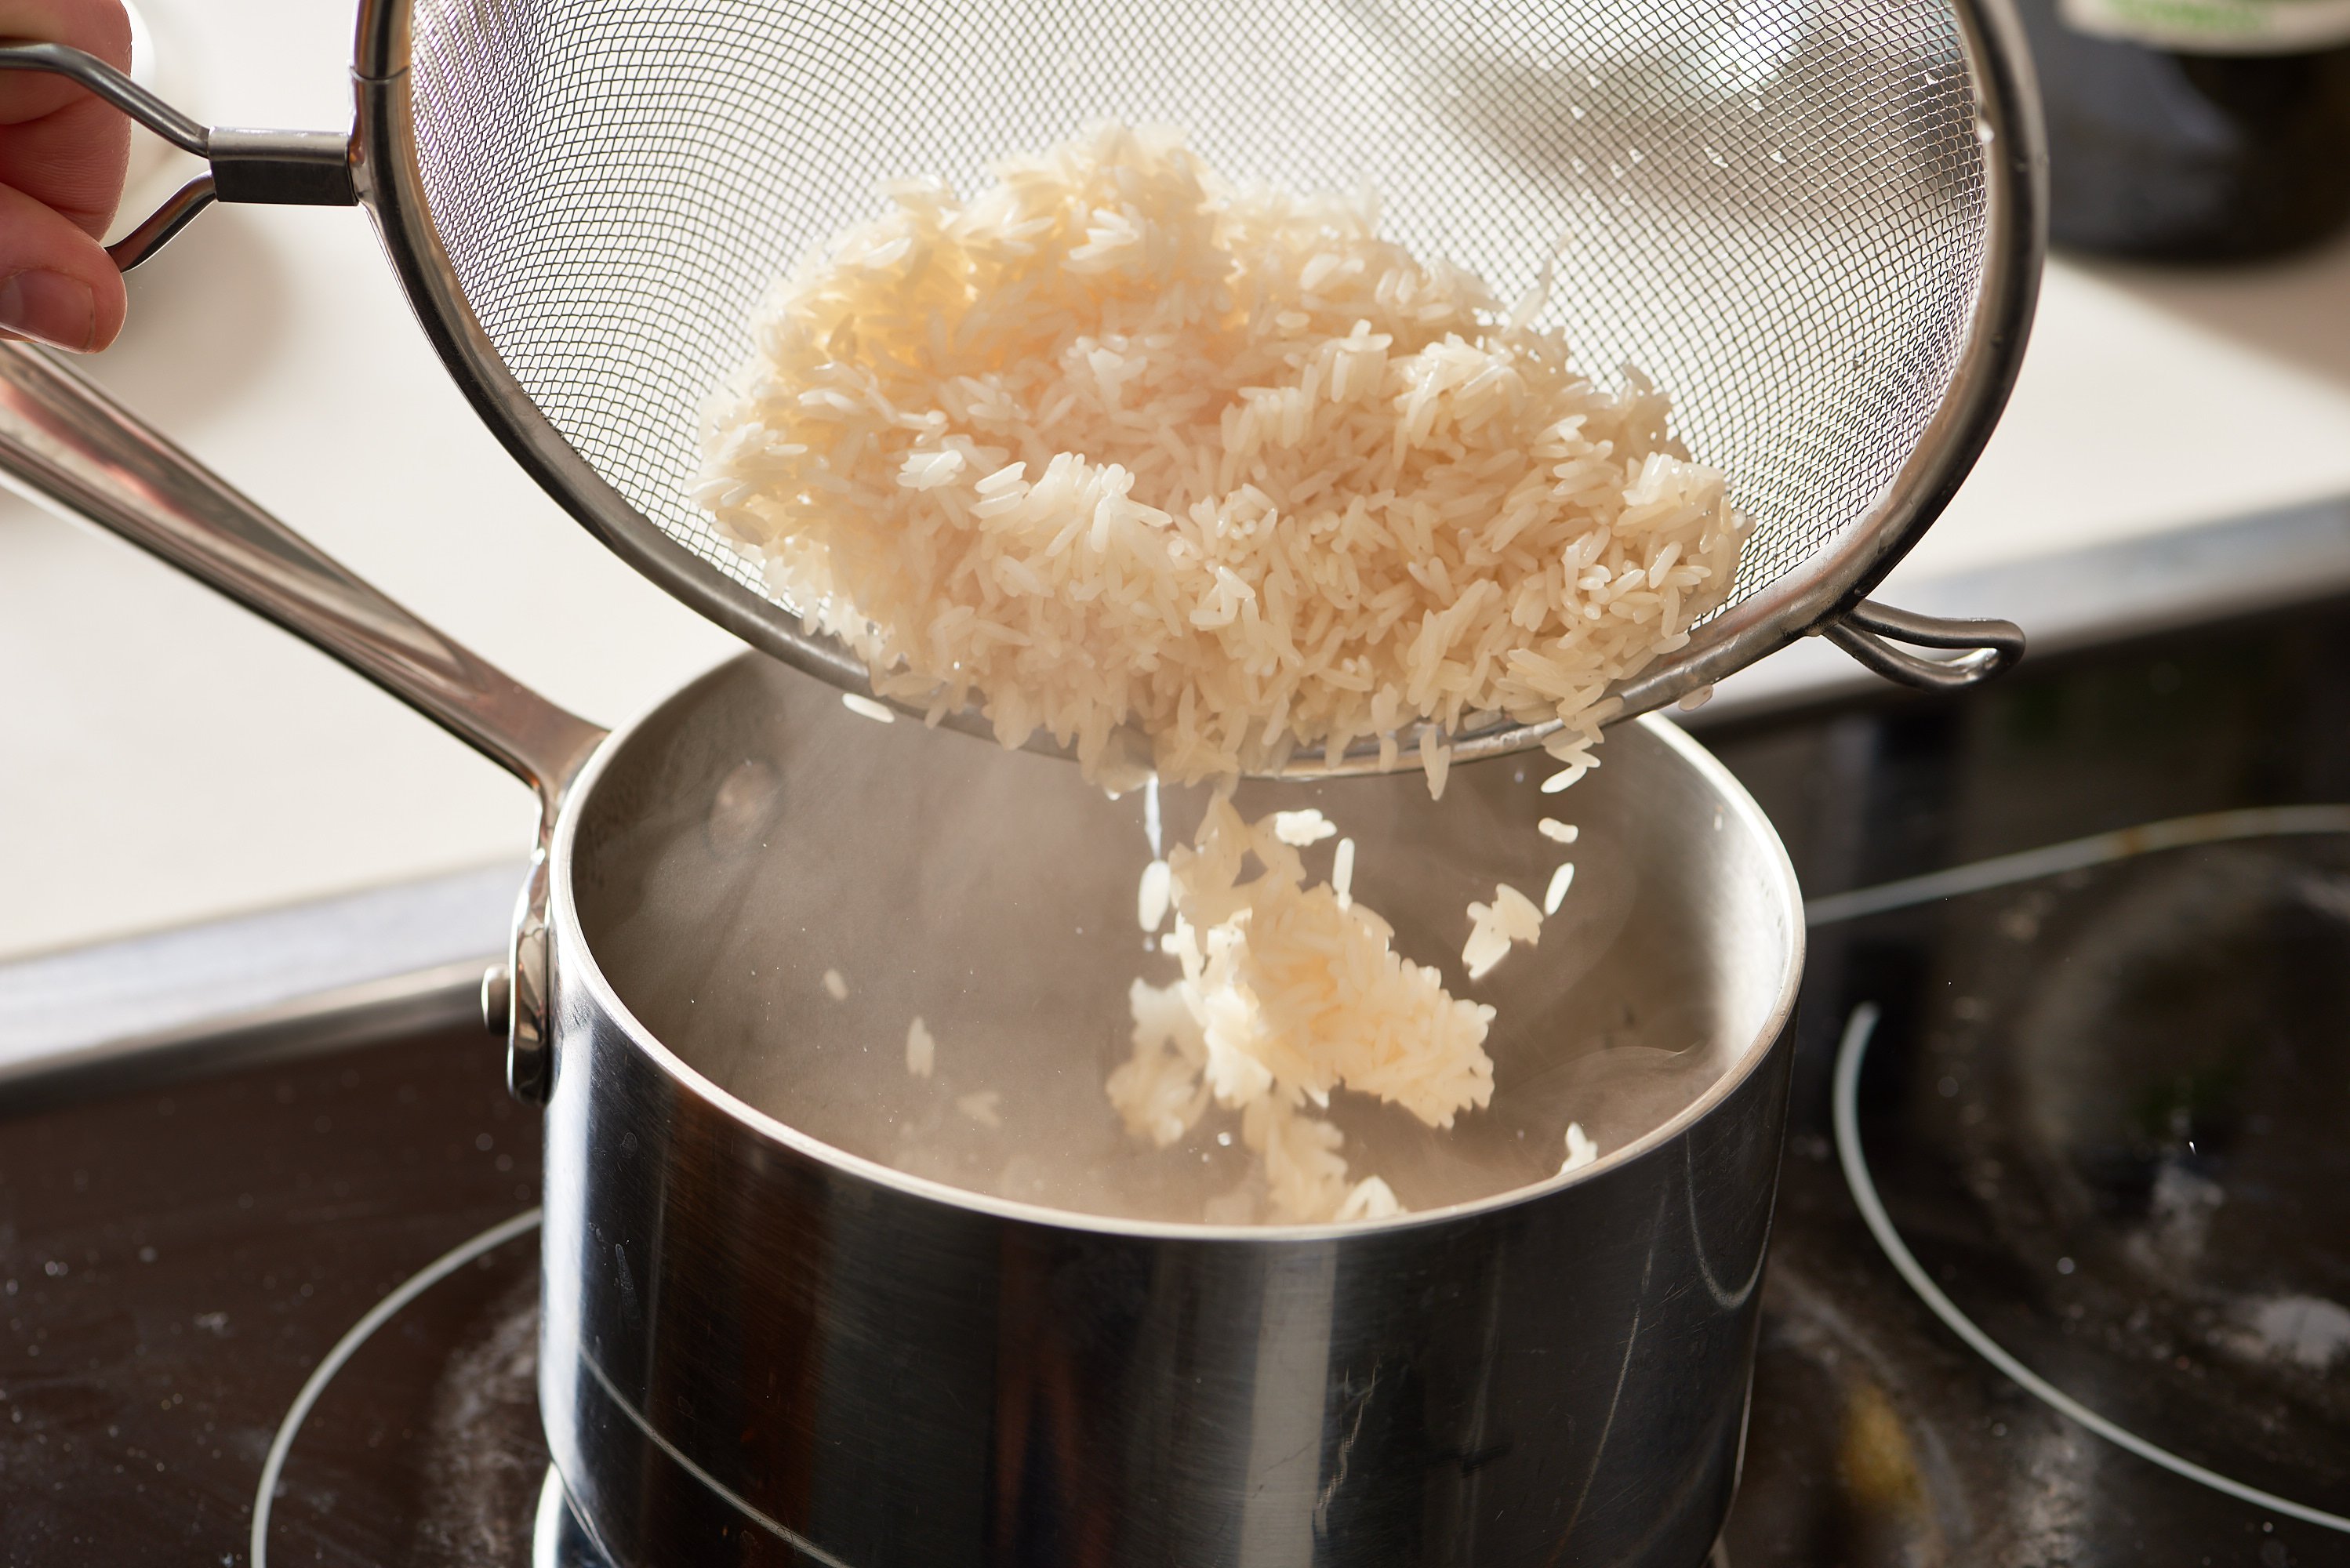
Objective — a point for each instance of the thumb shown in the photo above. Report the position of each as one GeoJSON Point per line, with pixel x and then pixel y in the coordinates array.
{"type": "Point", "coordinates": [57, 286]}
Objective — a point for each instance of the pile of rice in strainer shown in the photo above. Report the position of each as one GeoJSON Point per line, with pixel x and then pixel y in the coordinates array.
{"type": "Point", "coordinates": [1116, 445]}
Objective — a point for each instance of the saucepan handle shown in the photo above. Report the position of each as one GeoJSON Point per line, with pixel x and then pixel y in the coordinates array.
{"type": "Point", "coordinates": [279, 167]}
{"type": "Point", "coordinates": [70, 447]}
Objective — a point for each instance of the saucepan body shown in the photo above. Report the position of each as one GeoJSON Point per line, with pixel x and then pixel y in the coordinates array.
{"type": "Point", "coordinates": [782, 1325]}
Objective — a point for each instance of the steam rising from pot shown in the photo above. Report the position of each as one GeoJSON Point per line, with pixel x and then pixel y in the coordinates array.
{"type": "Point", "coordinates": [992, 895]}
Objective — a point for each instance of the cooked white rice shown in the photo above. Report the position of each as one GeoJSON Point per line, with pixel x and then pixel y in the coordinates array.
{"type": "Point", "coordinates": [1493, 927]}
{"type": "Point", "coordinates": [1300, 829]}
{"type": "Point", "coordinates": [1150, 900]}
{"type": "Point", "coordinates": [1372, 1198]}
{"type": "Point", "coordinates": [1118, 442]}
{"type": "Point", "coordinates": [1287, 994]}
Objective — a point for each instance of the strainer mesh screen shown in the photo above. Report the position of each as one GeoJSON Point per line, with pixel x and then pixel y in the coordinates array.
{"type": "Point", "coordinates": [1775, 209]}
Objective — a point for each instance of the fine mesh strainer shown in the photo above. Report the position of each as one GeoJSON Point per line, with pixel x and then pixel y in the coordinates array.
{"type": "Point", "coordinates": [1817, 222]}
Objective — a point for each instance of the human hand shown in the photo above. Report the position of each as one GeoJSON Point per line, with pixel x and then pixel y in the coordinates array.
{"type": "Point", "coordinates": [62, 155]}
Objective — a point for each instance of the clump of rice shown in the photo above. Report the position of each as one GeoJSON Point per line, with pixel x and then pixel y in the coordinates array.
{"type": "Point", "coordinates": [1118, 445]}
{"type": "Point", "coordinates": [1289, 992]}
{"type": "Point", "coordinates": [1510, 918]}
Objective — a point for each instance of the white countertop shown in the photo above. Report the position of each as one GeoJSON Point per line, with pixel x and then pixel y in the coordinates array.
{"type": "Point", "coordinates": [167, 757]}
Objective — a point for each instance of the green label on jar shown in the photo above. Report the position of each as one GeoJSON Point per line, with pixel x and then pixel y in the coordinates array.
{"type": "Point", "coordinates": [2216, 26]}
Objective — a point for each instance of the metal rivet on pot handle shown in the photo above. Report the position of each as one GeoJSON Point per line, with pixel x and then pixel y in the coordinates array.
{"type": "Point", "coordinates": [278, 167]}
{"type": "Point", "coordinates": [517, 1014]}
{"type": "Point", "coordinates": [497, 998]}
{"type": "Point", "coordinates": [529, 1029]}
{"type": "Point", "coordinates": [1868, 631]}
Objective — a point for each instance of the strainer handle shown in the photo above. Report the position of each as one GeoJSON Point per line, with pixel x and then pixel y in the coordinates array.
{"type": "Point", "coordinates": [67, 446]}
{"type": "Point", "coordinates": [1869, 630]}
{"type": "Point", "coordinates": [277, 167]}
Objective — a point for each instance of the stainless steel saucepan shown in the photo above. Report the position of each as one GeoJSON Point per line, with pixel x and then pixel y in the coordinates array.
{"type": "Point", "coordinates": [802, 1306]}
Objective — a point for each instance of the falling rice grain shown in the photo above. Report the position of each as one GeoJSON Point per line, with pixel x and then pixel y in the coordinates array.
{"type": "Point", "coordinates": [1151, 898]}
{"type": "Point", "coordinates": [1510, 918]}
{"type": "Point", "coordinates": [1436, 760]}
{"type": "Point", "coordinates": [1300, 828]}
{"type": "Point", "coordinates": [1560, 881]}
{"type": "Point", "coordinates": [1372, 1198]}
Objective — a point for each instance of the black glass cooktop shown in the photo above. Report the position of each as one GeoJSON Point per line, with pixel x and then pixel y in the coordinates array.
{"type": "Point", "coordinates": [2106, 1100]}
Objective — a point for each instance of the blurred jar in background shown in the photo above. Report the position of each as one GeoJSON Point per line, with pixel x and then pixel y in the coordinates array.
{"type": "Point", "coordinates": [2194, 129]}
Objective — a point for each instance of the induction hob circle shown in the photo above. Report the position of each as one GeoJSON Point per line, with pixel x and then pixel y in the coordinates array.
{"type": "Point", "coordinates": [2084, 1022]}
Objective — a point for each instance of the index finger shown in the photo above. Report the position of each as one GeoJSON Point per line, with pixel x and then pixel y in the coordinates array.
{"type": "Point", "coordinates": [59, 144]}
{"type": "Point", "coordinates": [99, 27]}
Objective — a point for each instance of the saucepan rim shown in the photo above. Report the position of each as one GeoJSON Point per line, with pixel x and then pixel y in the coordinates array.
{"type": "Point", "coordinates": [577, 965]}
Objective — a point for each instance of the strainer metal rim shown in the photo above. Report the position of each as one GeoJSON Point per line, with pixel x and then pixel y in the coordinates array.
{"type": "Point", "coordinates": [1808, 599]}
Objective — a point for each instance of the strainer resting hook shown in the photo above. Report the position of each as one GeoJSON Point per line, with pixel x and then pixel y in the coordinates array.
{"type": "Point", "coordinates": [1819, 224]}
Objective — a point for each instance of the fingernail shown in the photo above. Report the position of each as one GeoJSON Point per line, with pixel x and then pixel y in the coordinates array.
{"type": "Point", "coordinates": [50, 307]}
